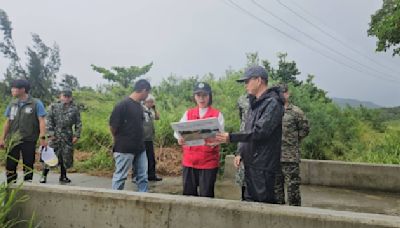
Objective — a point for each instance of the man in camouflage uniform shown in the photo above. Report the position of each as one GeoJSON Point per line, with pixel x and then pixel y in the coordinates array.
{"type": "Point", "coordinates": [294, 129]}
{"type": "Point", "coordinates": [64, 128]}
{"type": "Point", "coordinates": [243, 105]}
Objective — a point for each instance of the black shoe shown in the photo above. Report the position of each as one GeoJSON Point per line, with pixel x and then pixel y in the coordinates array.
{"type": "Point", "coordinates": [155, 179]}
{"type": "Point", "coordinates": [65, 180]}
{"type": "Point", "coordinates": [43, 180]}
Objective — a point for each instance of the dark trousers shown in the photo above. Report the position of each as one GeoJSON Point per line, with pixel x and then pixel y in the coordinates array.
{"type": "Point", "coordinates": [243, 191]}
{"type": "Point", "coordinates": [151, 168]}
{"type": "Point", "coordinates": [63, 170]}
{"type": "Point", "coordinates": [28, 157]}
{"type": "Point", "coordinates": [260, 185]}
{"type": "Point", "coordinates": [202, 178]}
{"type": "Point", "coordinates": [151, 161]}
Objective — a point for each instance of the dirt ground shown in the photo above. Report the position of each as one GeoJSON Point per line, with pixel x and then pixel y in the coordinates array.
{"type": "Point", "coordinates": [168, 162]}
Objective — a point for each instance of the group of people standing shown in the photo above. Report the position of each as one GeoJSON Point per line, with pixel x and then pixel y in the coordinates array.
{"type": "Point", "coordinates": [27, 121]}
{"type": "Point", "coordinates": [268, 153]}
{"type": "Point", "coordinates": [295, 128]}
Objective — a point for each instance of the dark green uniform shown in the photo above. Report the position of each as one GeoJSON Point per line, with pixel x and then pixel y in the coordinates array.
{"type": "Point", "coordinates": [294, 129]}
{"type": "Point", "coordinates": [64, 123]}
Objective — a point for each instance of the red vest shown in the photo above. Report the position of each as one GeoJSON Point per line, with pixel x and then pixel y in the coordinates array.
{"type": "Point", "coordinates": [201, 157]}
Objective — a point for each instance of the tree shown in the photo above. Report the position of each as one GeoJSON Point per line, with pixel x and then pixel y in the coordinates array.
{"type": "Point", "coordinates": [123, 75]}
{"type": "Point", "coordinates": [4, 91]}
{"type": "Point", "coordinates": [385, 26]}
{"type": "Point", "coordinates": [252, 59]}
{"type": "Point", "coordinates": [69, 81]}
{"type": "Point", "coordinates": [43, 62]}
{"type": "Point", "coordinates": [286, 72]}
{"type": "Point", "coordinates": [7, 46]}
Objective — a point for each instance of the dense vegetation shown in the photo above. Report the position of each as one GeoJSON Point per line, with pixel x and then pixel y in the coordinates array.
{"type": "Point", "coordinates": [351, 134]}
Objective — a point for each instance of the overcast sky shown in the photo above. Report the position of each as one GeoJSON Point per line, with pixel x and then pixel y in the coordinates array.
{"type": "Point", "coordinates": [193, 37]}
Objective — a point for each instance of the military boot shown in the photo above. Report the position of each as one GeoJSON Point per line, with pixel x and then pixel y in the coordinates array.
{"type": "Point", "coordinates": [64, 180]}
{"type": "Point", "coordinates": [43, 179]}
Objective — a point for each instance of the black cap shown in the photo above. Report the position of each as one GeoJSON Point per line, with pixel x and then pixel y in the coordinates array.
{"type": "Point", "coordinates": [202, 87]}
{"type": "Point", "coordinates": [21, 83]}
{"type": "Point", "coordinates": [254, 71]}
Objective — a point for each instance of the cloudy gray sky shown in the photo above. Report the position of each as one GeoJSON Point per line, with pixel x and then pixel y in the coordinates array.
{"type": "Point", "coordinates": [192, 37]}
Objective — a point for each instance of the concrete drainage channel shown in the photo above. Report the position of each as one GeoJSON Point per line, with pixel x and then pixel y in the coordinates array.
{"type": "Point", "coordinates": [73, 206]}
{"type": "Point", "coordinates": [351, 175]}
{"type": "Point", "coordinates": [66, 206]}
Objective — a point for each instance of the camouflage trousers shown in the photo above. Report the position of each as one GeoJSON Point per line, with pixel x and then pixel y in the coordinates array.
{"type": "Point", "coordinates": [64, 151]}
{"type": "Point", "coordinates": [239, 177]}
{"type": "Point", "coordinates": [291, 176]}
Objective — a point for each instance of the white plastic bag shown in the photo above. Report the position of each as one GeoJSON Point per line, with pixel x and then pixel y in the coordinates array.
{"type": "Point", "coordinates": [48, 156]}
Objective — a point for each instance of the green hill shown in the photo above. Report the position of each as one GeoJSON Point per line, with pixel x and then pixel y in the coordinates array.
{"type": "Point", "coordinates": [343, 102]}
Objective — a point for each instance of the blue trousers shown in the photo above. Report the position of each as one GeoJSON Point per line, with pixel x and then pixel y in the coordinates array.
{"type": "Point", "coordinates": [123, 163]}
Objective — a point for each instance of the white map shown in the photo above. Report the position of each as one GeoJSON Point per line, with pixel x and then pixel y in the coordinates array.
{"type": "Point", "coordinates": [198, 132]}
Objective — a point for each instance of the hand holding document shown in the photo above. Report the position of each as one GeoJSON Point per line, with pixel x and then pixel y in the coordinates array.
{"type": "Point", "coordinates": [198, 132]}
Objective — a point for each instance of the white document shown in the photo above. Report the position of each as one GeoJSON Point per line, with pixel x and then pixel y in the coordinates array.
{"type": "Point", "coordinates": [198, 132]}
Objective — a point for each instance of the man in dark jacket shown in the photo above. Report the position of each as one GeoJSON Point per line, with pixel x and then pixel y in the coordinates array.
{"type": "Point", "coordinates": [260, 142]}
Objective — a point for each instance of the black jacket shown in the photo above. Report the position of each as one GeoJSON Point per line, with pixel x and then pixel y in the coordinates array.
{"type": "Point", "coordinates": [260, 142]}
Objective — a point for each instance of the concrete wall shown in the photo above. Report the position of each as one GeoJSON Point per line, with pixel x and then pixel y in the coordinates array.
{"type": "Point", "coordinates": [341, 174]}
{"type": "Point", "coordinates": [64, 206]}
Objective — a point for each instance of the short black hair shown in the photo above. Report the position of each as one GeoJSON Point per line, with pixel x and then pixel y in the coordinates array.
{"type": "Point", "coordinates": [141, 85]}
{"type": "Point", "coordinates": [21, 83]}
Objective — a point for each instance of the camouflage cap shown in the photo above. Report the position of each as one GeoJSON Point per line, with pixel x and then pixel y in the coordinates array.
{"type": "Point", "coordinates": [284, 87]}
{"type": "Point", "coordinates": [254, 71]}
{"type": "Point", "coordinates": [66, 91]}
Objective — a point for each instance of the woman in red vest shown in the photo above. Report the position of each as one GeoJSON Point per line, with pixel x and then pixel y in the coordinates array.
{"type": "Point", "coordinates": [200, 163]}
